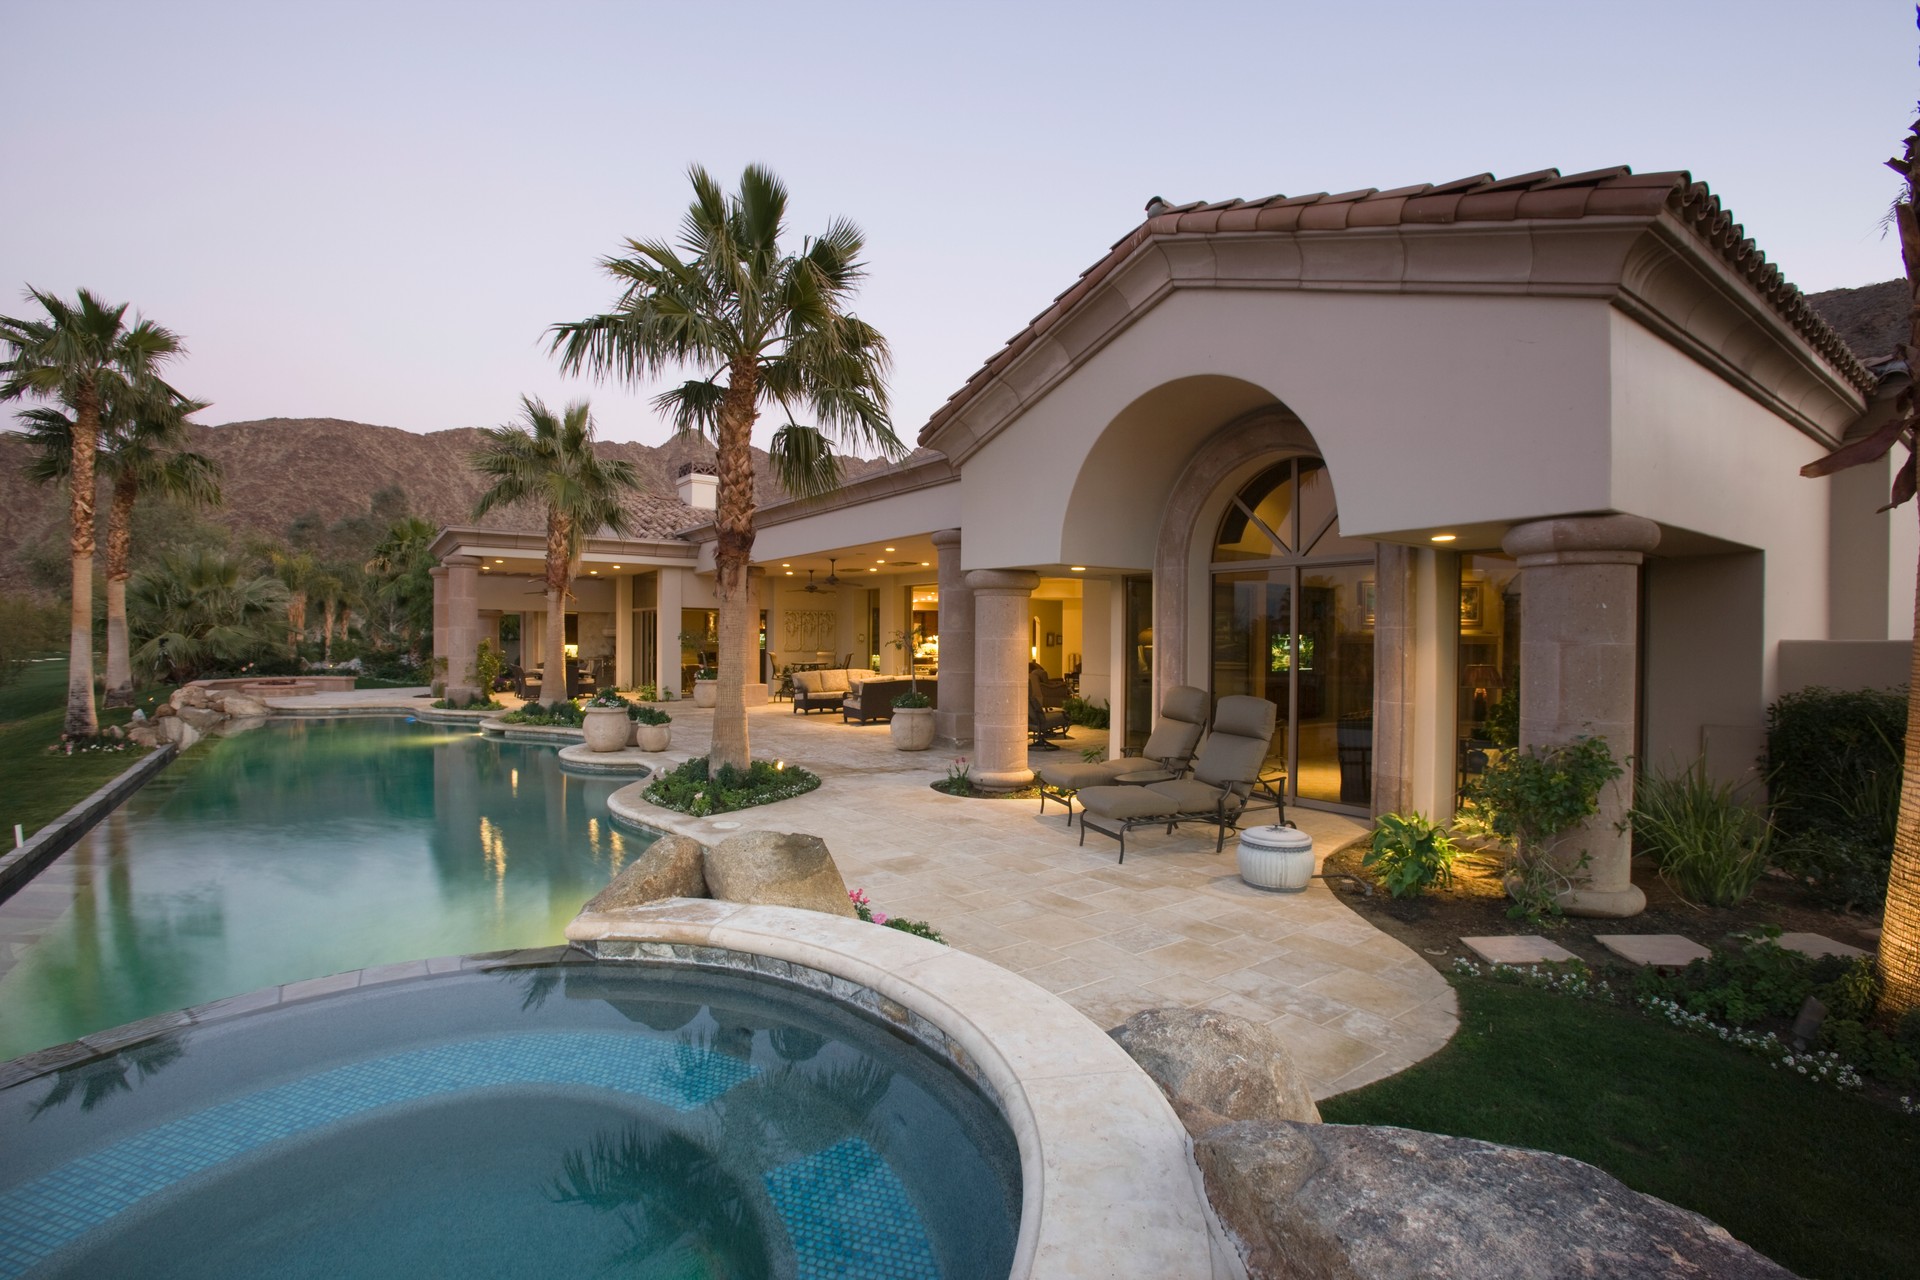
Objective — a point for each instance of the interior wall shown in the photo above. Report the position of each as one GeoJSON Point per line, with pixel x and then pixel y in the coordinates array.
{"type": "Point", "coordinates": [1703, 663]}
{"type": "Point", "coordinates": [1073, 635]}
{"type": "Point", "coordinates": [1048, 616]}
{"type": "Point", "coordinates": [1098, 599]}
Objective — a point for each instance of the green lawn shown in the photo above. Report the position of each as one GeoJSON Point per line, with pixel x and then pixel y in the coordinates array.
{"type": "Point", "coordinates": [1822, 1182]}
{"type": "Point", "coordinates": [38, 787]}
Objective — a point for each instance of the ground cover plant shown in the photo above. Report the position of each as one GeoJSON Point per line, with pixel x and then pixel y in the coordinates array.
{"type": "Point", "coordinates": [863, 908]}
{"type": "Point", "coordinates": [1409, 854]}
{"type": "Point", "coordinates": [1818, 1179]}
{"type": "Point", "coordinates": [959, 782]}
{"type": "Point", "coordinates": [563, 714]}
{"type": "Point", "coordinates": [691, 788]}
{"type": "Point", "coordinates": [43, 781]}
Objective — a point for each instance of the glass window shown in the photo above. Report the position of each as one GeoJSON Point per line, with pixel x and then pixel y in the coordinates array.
{"type": "Point", "coordinates": [1487, 694]}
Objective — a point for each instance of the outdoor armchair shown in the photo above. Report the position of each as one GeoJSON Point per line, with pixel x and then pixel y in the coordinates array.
{"type": "Point", "coordinates": [1183, 716]}
{"type": "Point", "coordinates": [1224, 776]}
{"type": "Point", "coordinates": [1045, 717]}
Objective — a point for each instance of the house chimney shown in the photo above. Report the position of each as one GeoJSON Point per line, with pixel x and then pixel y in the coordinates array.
{"type": "Point", "coordinates": [697, 486]}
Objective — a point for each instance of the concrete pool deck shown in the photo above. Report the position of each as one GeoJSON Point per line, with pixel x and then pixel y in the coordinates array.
{"type": "Point", "coordinates": [1173, 925]}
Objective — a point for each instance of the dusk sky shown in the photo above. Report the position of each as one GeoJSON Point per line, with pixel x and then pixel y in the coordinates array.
{"type": "Point", "coordinates": [373, 211]}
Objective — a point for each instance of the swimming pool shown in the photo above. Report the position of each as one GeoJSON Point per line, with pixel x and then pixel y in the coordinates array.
{"type": "Point", "coordinates": [554, 1120]}
{"type": "Point", "coordinates": [299, 849]}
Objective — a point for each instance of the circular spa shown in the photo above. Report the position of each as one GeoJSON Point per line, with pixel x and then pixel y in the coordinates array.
{"type": "Point", "coordinates": [561, 1119]}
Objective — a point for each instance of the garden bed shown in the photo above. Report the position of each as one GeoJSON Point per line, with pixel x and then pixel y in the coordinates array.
{"type": "Point", "coordinates": [1476, 905]}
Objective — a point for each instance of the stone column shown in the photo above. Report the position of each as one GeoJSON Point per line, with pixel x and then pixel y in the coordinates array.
{"type": "Point", "coordinates": [953, 718]}
{"type": "Point", "coordinates": [442, 656]}
{"type": "Point", "coordinates": [1580, 633]}
{"type": "Point", "coordinates": [667, 650]}
{"type": "Point", "coordinates": [1001, 611]}
{"type": "Point", "coordinates": [462, 592]}
{"type": "Point", "coordinates": [755, 689]}
{"type": "Point", "coordinates": [623, 632]}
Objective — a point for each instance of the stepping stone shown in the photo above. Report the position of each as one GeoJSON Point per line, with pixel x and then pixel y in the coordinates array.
{"type": "Point", "coordinates": [1523, 948]}
{"type": "Point", "coordinates": [1666, 950]}
{"type": "Point", "coordinates": [1814, 944]}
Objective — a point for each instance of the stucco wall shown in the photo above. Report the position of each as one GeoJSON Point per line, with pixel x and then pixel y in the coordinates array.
{"type": "Point", "coordinates": [1418, 403]}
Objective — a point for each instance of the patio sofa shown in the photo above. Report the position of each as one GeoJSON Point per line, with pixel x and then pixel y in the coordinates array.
{"type": "Point", "coordinates": [873, 698]}
{"type": "Point", "coordinates": [827, 689]}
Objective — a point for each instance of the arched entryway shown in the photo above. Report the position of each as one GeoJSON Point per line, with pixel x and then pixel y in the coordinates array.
{"type": "Point", "coordinates": [1291, 609]}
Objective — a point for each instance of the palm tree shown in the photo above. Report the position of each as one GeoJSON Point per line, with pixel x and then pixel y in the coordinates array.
{"type": "Point", "coordinates": [139, 453]}
{"type": "Point", "coordinates": [1898, 959]}
{"type": "Point", "coordinates": [550, 460]}
{"type": "Point", "coordinates": [768, 325]}
{"type": "Point", "coordinates": [299, 570]}
{"type": "Point", "coordinates": [329, 588]}
{"type": "Point", "coordinates": [81, 355]}
{"type": "Point", "coordinates": [400, 577]}
{"type": "Point", "coordinates": [202, 611]}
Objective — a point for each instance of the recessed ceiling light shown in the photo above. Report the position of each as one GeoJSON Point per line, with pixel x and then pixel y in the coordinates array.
{"type": "Point", "coordinates": [1442, 537]}
{"type": "Point", "coordinates": [1077, 568]}
{"type": "Point", "coordinates": [889, 548]}
{"type": "Point", "coordinates": [499, 561]}
{"type": "Point", "coordinates": [789, 573]}
{"type": "Point", "coordinates": [594, 572]}
{"type": "Point", "coordinates": [926, 564]}
{"type": "Point", "coordinates": [786, 564]}
{"type": "Point", "coordinates": [873, 571]}
{"type": "Point", "coordinates": [616, 566]}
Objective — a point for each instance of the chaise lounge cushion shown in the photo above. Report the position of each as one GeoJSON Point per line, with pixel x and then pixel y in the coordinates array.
{"type": "Point", "coordinates": [1183, 714]}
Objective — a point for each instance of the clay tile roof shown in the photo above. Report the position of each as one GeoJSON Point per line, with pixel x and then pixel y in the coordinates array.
{"type": "Point", "coordinates": [1615, 192]}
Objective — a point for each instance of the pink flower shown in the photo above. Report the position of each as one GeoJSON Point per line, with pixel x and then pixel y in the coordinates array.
{"type": "Point", "coordinates": [858, 895]}
{"type": "Point", "coordinates": [879, 917]}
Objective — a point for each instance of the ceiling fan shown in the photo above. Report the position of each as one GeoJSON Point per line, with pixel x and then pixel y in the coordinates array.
{"type": "Point", "coordinates": [831, 581]}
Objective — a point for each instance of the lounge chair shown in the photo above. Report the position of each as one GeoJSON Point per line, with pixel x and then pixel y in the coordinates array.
{"type": "Point", "coordinates": [1046, 714]}
{"type": "Point", "coordinates": [1183, 716]}
{"type": "Point", "coordinates": [1225, 774]}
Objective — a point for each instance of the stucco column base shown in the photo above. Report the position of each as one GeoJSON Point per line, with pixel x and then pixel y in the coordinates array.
{"type": "Point", "coordinates": [953, 718]}
{"type": "Point", "coordinates": [1001, 610]}
{"type": "Point", "coordinates": [1579, 651]}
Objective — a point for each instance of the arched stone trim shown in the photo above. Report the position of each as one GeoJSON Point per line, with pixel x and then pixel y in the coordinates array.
{"type": "Point", "coordinates": [1228, 457]}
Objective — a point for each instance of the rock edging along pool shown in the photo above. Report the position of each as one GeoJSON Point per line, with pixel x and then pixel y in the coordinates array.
{"type": "Point", "coordinates": [556, 1118]}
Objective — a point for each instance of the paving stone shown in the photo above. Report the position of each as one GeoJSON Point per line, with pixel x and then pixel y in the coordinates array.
{"type": "Point", "coordinates": [1517, 948]}
{"type": "Point", "coordinates": [1666, 950]}
{"type": "Point", "coordinates": [1814, 944]}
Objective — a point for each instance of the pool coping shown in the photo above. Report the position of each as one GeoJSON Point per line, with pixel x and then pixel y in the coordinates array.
{"type": "Point", "coordinates": [19, 866]}
{"type": "Point", "coordinates": [1109, 1187]}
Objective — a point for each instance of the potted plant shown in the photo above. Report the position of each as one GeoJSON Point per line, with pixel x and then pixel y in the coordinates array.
{"type": "Point", "coordinates": [912, 723]}
{"type": "Point", "coordinates": [650, 731]}
{"type": "Point", "coordinates": [705, 691]}
{"type": "Point", "coordinates": [606, 723]}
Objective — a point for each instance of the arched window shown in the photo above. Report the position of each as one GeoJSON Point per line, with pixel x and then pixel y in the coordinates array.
{"type": "Point", "coordinates": [1292, 622]}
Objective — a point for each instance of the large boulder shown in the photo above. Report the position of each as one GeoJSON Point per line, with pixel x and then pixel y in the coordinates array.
{"type": "Point", "coordinates": [176, 730]}
{"type": "Point", "coordinates": [1215, 1067]}
{"type": "Point", "coordinates": [776, 869]}
{"type": "Point", "coordinates": [1352, 1202]}
{"type": "Point", "coordinates": [189, 695]}
{"type": "Point", "coordinates": [201, 718]}
{"type": "Point", "coordinates": [672, 867]}
{"type": "Point", "coordinates": [240, 705]}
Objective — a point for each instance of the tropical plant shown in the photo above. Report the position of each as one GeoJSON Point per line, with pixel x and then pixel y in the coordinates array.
{"type": "Point", "coordinates": [400, 580]}
{"type": "Point", "coordinates": [550, 461]}
{"type": "Point", "coordinates": [202, 611]}
{"type": "Point", "coordinates": [1899, 952]}
{"type": "Point", "coordinates": [644, 714]}
{"type": "Point", "coordinates": [28, 630]}
{"type": "Point", "coordinates": [82, 355]}
{"type": "Point", "coordinates": [1529, 797]}
{"type": "Point", "coordinates": [299, 571]}
{"type": "Point", "coordinates": [489, 664]}
{"type": "Point", "coordinates": [1410, 854]}
{"type": "Point", "coordinates": [1708, 845]}
{"type": "Point", "coordinates": [140, 453]}
{"type": "Point", "coordinates": [763, 324]}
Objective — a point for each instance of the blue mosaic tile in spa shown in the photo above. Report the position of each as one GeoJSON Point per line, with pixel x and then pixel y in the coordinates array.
{"type": "Point", "coordinates": [44, 1215]}
{"type": "Point", "coordinates": [849, 1218]}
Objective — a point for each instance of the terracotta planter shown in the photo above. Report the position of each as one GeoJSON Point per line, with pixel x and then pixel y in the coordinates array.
{"type": "Point", "coordinates": [652, 737]}
{"type": "Point", "coordinates": [912, 728]}
{"type": "Point", "coordinates": [705, 693]}
{"type": "Point", "coordinates": [606, 728]}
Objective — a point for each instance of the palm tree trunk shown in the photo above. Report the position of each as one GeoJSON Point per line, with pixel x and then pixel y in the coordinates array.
{"type": "Point", "coordinates": [81, 720]}
{"type": "Point", "coordinates": [1899, 957]}
{"type": "Point", "coordinates": [119, 569]}
{"type": "Point", "coordinates": [326, 632]}
{"type": "Point", "coordinates": [553, 664]}
{"type": "Point", "coordinates": [733, 549]}
{"type": "Point", "coordinates": [296, 622]}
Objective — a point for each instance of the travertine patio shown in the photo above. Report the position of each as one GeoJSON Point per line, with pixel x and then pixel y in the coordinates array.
{"type": "Point", "coordinates": [1174, 925]}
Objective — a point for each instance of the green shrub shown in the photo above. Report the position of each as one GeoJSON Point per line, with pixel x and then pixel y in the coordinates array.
{"type": "Point", "coordinates": [1834, 762]}
{"type": "Point", "coordinates": [1091, 715]}
{"type": "Point", "coordinates": [562, 713]}
{"type": "Point", "coordinates": [690, 788]}
{"type": "Point", "coordinates": [1410, 854]}
{"type": "Point", "coordinates": [489, 664]}
{"type": "Point", "coordinates": [1709, 846]}
{"type": "Point", "coordinates": [1840, 868]}
{"type": "Point", "coordinates": [1527, 798]}
{"type": "Point", "coordinates": [913, 700]}
{"type": "Point", "coordinates": [27, 631]}
{"type": "Point", "coordinates": [608, 699]}
{"type": "Point", "coordinates": [648, 715]}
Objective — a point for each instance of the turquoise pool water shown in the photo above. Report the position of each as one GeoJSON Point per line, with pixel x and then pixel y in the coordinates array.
{"type": "Point", "coordinates": [303, 848]}
{"type": "Point", "coordinates": [560, 1120]}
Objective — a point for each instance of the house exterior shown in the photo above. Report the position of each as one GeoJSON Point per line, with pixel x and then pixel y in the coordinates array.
{"type": "Point", "coordinates": [1387, 458]}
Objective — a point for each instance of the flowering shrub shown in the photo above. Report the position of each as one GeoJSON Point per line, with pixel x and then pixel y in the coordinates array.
{"type": "Point", "coordinates": [863, 908]}
{"type": "Point", "coordinates": [89, 744]}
